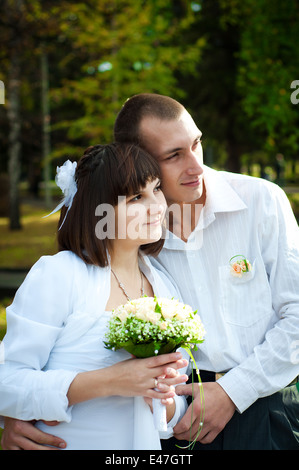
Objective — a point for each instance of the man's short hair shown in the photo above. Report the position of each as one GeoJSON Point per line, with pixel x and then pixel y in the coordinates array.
{"type": "Point", "coordinates": [127, 123]}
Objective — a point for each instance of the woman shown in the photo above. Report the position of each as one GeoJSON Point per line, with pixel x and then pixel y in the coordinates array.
{"type": "Point", "coordinates": [56, 366]}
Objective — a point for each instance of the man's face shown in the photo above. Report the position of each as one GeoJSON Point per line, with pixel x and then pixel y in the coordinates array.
{"type": "Point", "coordinates": [177, 146]}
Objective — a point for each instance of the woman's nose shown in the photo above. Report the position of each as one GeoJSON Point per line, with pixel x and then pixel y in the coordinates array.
{"type": "Point", "coordinates": [155, 209]}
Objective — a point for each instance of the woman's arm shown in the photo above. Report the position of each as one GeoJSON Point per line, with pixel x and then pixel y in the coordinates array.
{"type": "Point", "coordinates": [35, 320]}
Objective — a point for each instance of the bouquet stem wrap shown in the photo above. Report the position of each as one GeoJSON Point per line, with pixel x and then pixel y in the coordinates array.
{"type": "Point", "coordinates": [159, 413]}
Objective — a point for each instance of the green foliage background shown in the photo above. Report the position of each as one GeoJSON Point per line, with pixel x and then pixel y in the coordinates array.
{"type": "Point", "coordinates": [231, 63]}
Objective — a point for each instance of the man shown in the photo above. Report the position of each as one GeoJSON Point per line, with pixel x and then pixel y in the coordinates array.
{"type": "Point", "coordinates": [252, 322]}
{"type": "Point", "coordinates": [251, 319]}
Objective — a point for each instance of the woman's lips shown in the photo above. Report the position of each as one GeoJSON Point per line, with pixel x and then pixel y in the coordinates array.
{"type": "Point", "coordinates": [156, 221]}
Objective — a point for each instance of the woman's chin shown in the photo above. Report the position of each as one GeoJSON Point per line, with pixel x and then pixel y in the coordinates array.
{"type": "Point", "coordinates": [153, 236]}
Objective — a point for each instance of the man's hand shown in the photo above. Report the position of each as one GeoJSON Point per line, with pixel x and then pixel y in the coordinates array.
{"type": "Point", "coordinates": [219, 409]}
{"type": "Point", "coordinates": [23, 435]}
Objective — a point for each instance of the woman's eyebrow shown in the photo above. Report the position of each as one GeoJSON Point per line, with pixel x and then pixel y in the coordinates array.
{"type": "Point", "coordinates": [141, 190]}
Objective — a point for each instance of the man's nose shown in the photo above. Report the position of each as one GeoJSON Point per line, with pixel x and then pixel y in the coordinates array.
{"type": "Point", "coordinates": [195, 164]}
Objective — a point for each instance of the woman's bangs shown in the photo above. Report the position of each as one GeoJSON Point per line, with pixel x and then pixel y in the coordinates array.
{"type": "Point", "coordinates": [137, 170]}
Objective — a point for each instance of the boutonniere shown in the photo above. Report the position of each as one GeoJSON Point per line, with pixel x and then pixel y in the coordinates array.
{"type": "Point", "coordinates": [239, 266]}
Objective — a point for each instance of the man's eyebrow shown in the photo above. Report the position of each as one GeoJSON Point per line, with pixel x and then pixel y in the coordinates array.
{"type": "Point", "coordinates": [177, 149]}
{"type": "Point", "coordinates": [172, 150]}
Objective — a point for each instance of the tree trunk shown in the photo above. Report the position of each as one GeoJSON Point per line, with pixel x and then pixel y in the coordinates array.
{"type": "Point", "coordinates": [14, 119]}
{"type": "Point", "coordinates": [46, 126]}
{"type": "Point", "coordinates": [233, 161]}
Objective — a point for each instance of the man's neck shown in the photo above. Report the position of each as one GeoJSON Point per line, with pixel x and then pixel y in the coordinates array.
{"type": "Point", "coordinates": [184, 216]}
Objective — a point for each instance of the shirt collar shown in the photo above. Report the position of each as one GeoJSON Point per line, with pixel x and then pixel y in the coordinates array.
{"type": "Point", "coordinates": [220, 197]}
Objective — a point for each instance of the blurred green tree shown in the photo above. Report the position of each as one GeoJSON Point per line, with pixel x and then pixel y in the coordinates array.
{"type": "Point", "coordinates": [125, 47]}
{"type": "Point", "coordinates": [231, 62]}
{"type": "Point", "coordinates": [240, 93]}
{"type": "Point", "coordinates": [268, 63]}
{"type": "Point", "coordinates": [24, 26]}
{"type": "Point", "coordinates": [213, 97]}
{"type": "Point", "coordinates": [91, 56]}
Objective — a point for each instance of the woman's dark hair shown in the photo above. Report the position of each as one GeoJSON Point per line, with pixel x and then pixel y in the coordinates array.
{"type": "Point", "coordinates": [104, 173]}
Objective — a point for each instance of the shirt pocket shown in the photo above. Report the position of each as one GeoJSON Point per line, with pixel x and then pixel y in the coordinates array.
{"type": "Point", "coordinates": [244, 300]}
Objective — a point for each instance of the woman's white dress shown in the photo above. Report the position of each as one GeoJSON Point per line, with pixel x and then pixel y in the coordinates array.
{"type": "Point", "coordinates": [55, 329]}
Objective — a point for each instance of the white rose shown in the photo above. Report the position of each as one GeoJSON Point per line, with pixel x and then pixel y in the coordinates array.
{"type": "Point", "coordinates": [163, 325]}
{"type": "Point", "coordinates": [181, 316]}
{"type": "Point", "coordinates": [130, 308]}
{"type": "Point", "coordinates": [168, 313]}
{"type": "Point", "coordinates": [168, 308]}
{"type": "Point", "coordinates": [141, 314]}
{"type": "Point", "coordinates": [123, 315]}
{"type": "Point", "coordinates": [153, 317]}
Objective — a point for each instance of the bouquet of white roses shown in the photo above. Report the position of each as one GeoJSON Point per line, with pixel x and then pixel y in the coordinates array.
{"type": "Point", "coordinates": [149, 326]}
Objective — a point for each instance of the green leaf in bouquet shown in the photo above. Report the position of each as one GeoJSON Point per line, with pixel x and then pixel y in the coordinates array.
{"type": "Point", "coordinates": [168, 347]}
{"type": "Point", "coordinates": [150, 349]}
{"type": "Point", "coordinates": [142, 350]}
{"type": "Point", "coordinates": [158, 308]}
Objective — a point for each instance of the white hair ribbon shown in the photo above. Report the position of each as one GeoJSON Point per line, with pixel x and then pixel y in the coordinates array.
{"type": "Point", "coordinates": [65, 180]}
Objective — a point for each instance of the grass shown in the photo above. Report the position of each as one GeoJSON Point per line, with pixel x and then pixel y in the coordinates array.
{"type": "Point", "coordinates": [3, 304]}
{"type": "Point", "coordinates": [22, 248]}
{"type": "Point", "coordinates": [294, 200]}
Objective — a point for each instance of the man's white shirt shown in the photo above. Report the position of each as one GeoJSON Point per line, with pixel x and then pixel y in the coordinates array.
{"type": "Point", "coordinates": [251, 323]}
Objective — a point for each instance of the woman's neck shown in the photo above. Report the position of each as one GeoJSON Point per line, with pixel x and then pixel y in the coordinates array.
{"type": "Point", "coordinates": [125, 270]}
{"type": "Point", "coordinates": [124, 260]}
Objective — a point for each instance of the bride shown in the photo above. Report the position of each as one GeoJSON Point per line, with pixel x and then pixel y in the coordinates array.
{"type": "Point", "coordinates": [56, 367]}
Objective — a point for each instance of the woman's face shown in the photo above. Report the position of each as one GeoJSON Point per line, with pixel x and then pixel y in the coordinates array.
{"type": "Point", "coordinates": [139, 217]}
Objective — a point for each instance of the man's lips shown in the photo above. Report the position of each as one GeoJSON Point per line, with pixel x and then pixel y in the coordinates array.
{"type": "Point", "coordinates": [192, 183]}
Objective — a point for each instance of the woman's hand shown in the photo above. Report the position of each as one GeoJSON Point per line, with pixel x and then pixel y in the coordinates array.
{"type": "Point", "coordinates": [140, 377]}
{"type": "Point", "coordinates": [133, 377]}
{"type": "Point", "coordinates": [168, 402]}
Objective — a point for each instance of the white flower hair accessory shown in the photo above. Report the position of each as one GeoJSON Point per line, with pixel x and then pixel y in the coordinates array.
{"type": "Point", "coordinates": [65, 180]}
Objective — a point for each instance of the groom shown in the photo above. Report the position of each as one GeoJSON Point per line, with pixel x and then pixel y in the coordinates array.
{"type": "Point", "coordinates": [252, 320]}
